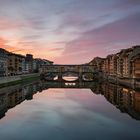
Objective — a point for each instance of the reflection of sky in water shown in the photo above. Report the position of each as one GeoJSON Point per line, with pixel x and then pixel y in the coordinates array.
{"type": "Point", "coordinates": [67, 114]}
{"type": "Point", "coordinates": [70, 78]}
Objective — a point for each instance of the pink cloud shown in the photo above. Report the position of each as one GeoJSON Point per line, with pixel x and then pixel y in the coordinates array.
{"type": "Point", "coordinates": [102, 41]}
{"type": "Point", "coordinates": [7, 24]}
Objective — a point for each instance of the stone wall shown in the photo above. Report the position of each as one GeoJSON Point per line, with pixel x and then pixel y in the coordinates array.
{"type": "Point", "coordinates": [9, 79]}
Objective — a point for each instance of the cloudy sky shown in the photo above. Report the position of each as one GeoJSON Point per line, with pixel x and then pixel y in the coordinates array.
{"type": "Point", "coordinates": [69, 31]}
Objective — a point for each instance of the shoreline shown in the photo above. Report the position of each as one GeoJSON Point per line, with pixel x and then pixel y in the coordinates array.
{"type": "Point", "coordinates": [128, 82]}
{"type": "Point", "coordinates": [13, 80]}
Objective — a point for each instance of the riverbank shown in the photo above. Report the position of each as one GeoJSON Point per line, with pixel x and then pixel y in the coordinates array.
{"type": "Point", "coordinates": [13, 80]}
{"type": "Point", "coordinates": [128, 82]}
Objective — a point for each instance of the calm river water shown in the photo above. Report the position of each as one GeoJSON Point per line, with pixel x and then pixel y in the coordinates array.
{"type": "Point", "coordinates": [69, 111]}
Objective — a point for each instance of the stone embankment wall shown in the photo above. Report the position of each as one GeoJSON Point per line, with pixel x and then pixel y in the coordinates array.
{"type": "Point", "coordinates": [10, 80]}
{"type": "Point", "coordinates": [129, 82]}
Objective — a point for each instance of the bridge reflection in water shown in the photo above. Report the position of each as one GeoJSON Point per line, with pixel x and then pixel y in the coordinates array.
{"type": "Point", "coordinates": [125, 99]}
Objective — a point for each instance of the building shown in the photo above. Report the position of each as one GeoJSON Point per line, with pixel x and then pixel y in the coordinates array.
{"type": "Point", "coordinates": [107, 64]}
{"type": "Point", "coordinates": [125, 64]}
{"type": "Point", "coordinates": [41, 64]}
{"type": "Point", "coordinates": [103, 66]}
{"type": "Point", "coordinates": [134, 63]}
{"type": "Point", "coordinates": [128, 63]}
{"type": "Point", "coordinates": [29, 63]}
{"type": "Point", "coordinates": [3, 62]}
{"type": "Point", "coordinates": [24, 66]}
{"type": "Point", "coordinates": [97, 63]}
{"type": "Point", "coordinates": [110, 65]}
{"type": "Point", "coordinates": [35, 66]}
{"type": "Point", "coordinates": [15, 64]}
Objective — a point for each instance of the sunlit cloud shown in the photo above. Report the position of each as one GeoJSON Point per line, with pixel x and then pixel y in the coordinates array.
{"type": "Point", "coordinates": [69, 31]}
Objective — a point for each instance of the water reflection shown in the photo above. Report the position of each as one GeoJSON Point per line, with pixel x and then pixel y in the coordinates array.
{"type": "Point", "coordinates": [125, 99]}
{"type": "Point", "coordinates": [70, 78]}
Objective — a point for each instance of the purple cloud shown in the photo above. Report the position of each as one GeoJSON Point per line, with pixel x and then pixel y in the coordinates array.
{"type": "Point", "coordinates": [104, 40]}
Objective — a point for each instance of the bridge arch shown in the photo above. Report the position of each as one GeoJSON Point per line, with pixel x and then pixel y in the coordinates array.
{"type": "Point", "coordinates": [74, 70]}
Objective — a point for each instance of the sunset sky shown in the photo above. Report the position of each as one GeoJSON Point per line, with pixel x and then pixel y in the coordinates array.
{"type": "Point", "coordinates": [69, 31]}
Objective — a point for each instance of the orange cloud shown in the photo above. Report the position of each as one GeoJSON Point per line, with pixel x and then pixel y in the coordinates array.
{"type": "Point", "coordinates": [38, 50]}
{"type": "Point", "coordinates": [2, 41]}
{"type": "Point", "coordinates": [4, 44]}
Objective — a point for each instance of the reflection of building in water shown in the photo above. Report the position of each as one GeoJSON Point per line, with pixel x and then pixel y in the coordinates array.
{"type": "Point", "coordinates": [127, 100]}
{"type": "Point", "coordinates": [29, 92]}
{"type": "Point", "coordinates": [3, 105]}
{"type": "Point", "coordinates": [136, 103]}
{"type": "Point", "coordinates": [14, 95]}
{"type": "Point", "coordinates": [109, 93]}
{"type": "Point", "coordinates": [97, 89]}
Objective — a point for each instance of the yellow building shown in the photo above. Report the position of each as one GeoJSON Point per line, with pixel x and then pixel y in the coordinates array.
{"type": "Point", "coordinates": [134, 63]}
{"type": "Point", "coordinates": [128, 63]}
{"type": "Point", "coordinates": [111, 64]}
{"type": "Point", "coordinates": [15, 64]}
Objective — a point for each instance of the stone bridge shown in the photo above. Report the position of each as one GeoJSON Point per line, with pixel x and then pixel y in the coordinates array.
{"type": "Point", "coordinates": [61, 70]}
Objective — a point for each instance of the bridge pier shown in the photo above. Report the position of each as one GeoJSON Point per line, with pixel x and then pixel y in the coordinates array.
{"type": "Point", "coordinates": [60, 77]}
{"type": "Point", "coordinates": [80, 77]}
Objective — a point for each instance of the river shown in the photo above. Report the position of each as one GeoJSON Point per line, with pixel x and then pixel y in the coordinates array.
{"type": "Point", "coordinates": [69, 111]}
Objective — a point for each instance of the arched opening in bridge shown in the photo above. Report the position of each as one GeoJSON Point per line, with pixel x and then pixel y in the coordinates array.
{"type": "Point", "coordinates": [55, 77]}
{"type": "Point", "coordinates": [88, 76]}
{"type": "Point", "coordinates": [69, 76]}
